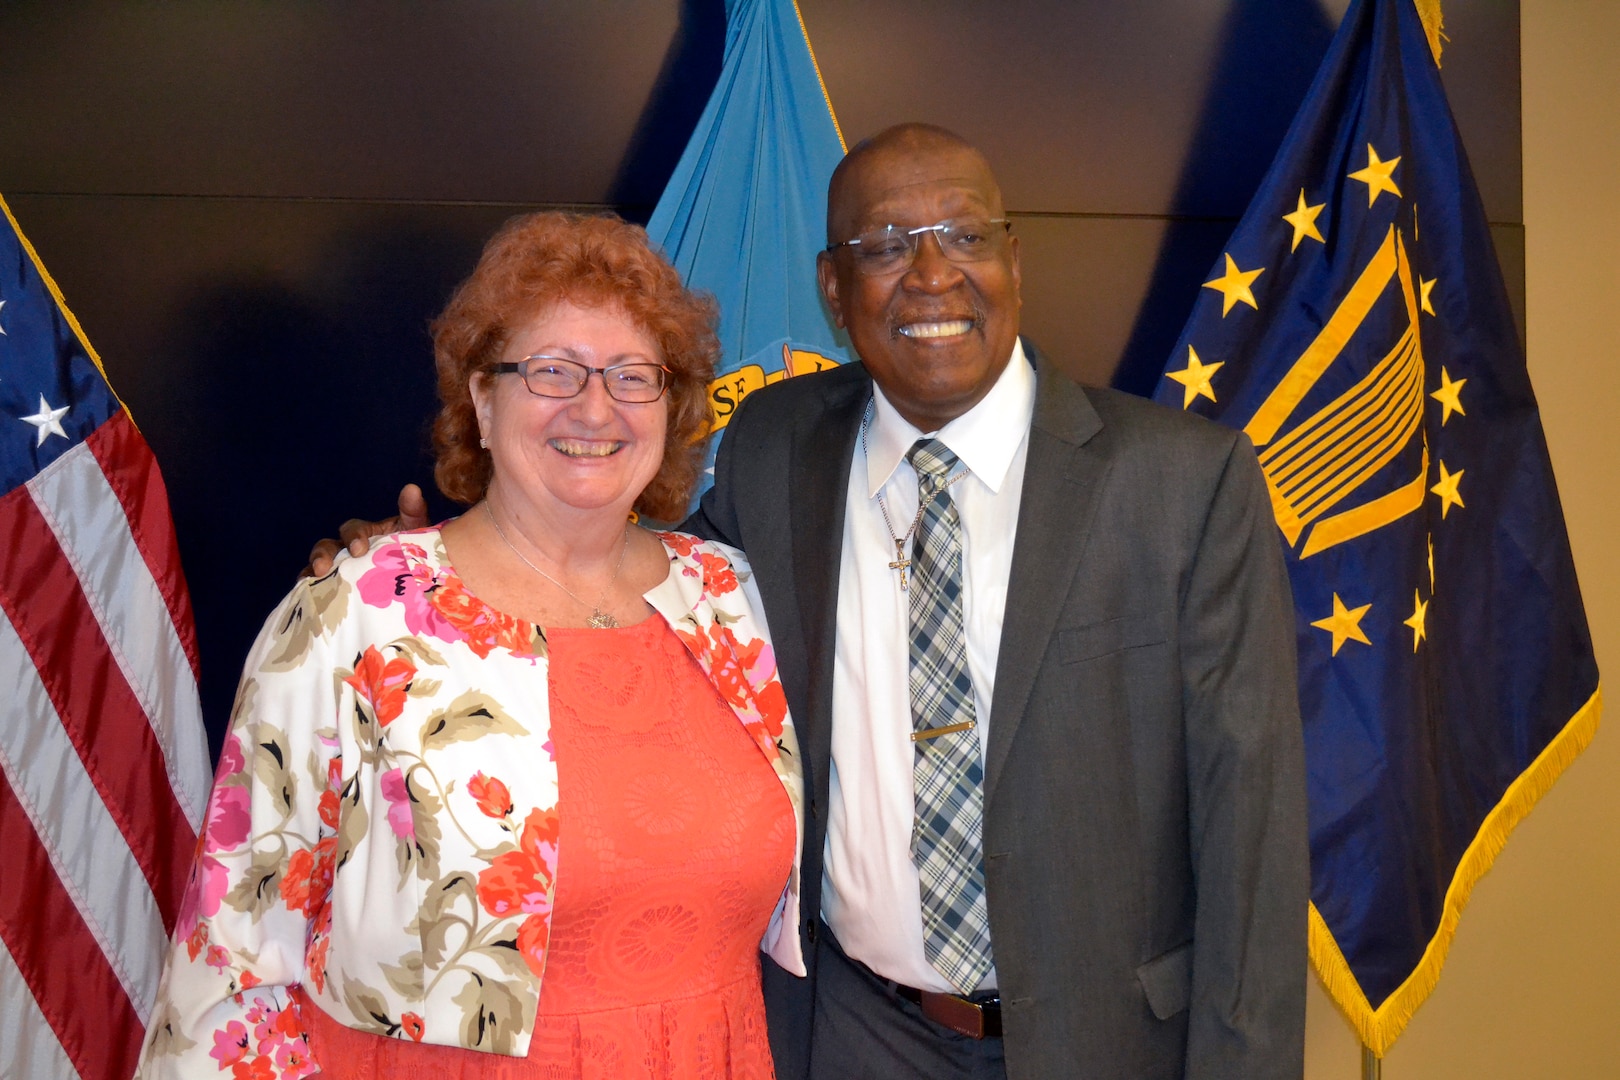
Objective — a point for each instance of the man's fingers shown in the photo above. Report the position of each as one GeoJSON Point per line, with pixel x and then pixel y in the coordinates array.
{"type": "Point", "coordinates": [413, 509]}
{"type": "Point", "coordinates": [359, 530]}
{"type": "Point", "coordinates": [320, 559]}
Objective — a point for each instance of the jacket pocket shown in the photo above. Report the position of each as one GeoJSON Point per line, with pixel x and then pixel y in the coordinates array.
{"type": "Point", "coordinates": [1113, 635]}
{"type": "Point", "coordinates": [1167, 981]}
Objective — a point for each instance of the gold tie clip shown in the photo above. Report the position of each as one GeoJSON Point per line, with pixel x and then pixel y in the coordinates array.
{"type": "Point", "coordinates": [936, 732]}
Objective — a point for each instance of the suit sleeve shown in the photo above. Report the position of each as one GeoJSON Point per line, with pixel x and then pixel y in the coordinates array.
{"type": "Point", "coordinates": [1246, 791]}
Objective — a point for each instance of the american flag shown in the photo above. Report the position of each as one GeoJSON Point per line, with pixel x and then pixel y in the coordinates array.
{"type": "Point", "coordinates": [103, 759]}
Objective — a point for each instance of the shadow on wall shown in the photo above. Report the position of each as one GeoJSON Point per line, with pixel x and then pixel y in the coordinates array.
{"type": "Point", "coordinates": [1268, 55]}
{"type": "Point", "coordinates": [688, 76]}
{"type": "Point", "coordinates": [310, 403]}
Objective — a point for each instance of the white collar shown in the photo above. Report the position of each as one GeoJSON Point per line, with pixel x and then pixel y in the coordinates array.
{"type": "Point", "coordinates": [982, 438]}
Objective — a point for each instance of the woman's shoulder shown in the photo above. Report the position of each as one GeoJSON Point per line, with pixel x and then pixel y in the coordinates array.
{"type": "Point", "coordinates": [691, 548]}
{"type": "Point", "coordinates": [706, 576]}
{"type": "Point", "coordinates": [407, 550]}
{"type": "Point", "coordinates": [394, 572]}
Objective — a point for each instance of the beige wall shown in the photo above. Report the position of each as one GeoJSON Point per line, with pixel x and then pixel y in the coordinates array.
{"type": "Point", "coordinates": [1532, 987]}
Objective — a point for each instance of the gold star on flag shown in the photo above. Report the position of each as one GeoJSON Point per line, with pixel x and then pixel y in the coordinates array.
{"type": "Point", "coordinates": [1420, 611]}
{"type": "Point", "coordinates": [1447, 489]}
{"type": "Point", "coordinates": [1344, 624]}
{"type": "Point", "coordinates": [1449, 396]}
{"type": "Point", "coordinates": [1428, 287]}
{"type": "Point", "coordinates": [1234, 286]}
{"type": "Point", "coordinates": [1304, 221]}
{"type": "Point", "coordinates": [1195, 377]}
{"type": "Point", "coordinates": [1431, 565]}
{"type": "Point", "coordinates": [1378, 176]}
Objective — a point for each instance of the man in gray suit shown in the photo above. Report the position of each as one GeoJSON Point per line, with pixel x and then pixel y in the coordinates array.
{"type": "Point", "coordinates": [1129, 642]}
{"type": "Point", "coordinates": [1038, 644]}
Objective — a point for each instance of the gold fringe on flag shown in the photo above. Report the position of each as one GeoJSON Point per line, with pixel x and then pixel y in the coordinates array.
{"type": "Point", "coordinates": [1379, 1028]}
{"type": "Point", "coordinates": [1434, 25]}
{"type": "Point", "coordinates": [824, 95]}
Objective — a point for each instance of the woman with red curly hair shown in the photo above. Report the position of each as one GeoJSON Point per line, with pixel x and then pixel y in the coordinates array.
{"type": "Point", "coordinates": [522, 785]}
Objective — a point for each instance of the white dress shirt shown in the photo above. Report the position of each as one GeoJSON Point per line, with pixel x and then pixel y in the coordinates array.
{"type": "Point", "coordinates": [870, 893]}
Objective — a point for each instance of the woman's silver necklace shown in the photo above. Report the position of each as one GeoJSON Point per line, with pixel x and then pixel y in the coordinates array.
{"type": "Point", "coordinates": [599, 619]}
{"type": "Point", "coordinates": [902, 561]}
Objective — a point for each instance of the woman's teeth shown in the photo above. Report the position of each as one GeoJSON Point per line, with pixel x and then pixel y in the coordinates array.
{"type": "Point", "coordinates": [579, 448]}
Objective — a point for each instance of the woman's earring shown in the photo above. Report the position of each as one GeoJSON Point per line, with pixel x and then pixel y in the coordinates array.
{"type": "Point", "coordinates": [483, 444]}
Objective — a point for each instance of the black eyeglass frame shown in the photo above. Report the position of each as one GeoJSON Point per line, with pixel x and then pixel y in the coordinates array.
{"type": "Point", "coordinates": [520, 368]}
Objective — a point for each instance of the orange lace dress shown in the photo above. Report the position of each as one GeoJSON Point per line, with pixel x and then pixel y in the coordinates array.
{"type": "Point", "coordinates": [676, 840]}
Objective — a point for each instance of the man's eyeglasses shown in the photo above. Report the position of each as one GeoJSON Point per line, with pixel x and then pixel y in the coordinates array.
{"type": "Point", "coordinates": [554, 377]}
{"type": "Point", "coordinates": [893, 248]}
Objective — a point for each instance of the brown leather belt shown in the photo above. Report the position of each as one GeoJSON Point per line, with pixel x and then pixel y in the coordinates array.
{"type": "Point", "coordinates": [976, 1020]}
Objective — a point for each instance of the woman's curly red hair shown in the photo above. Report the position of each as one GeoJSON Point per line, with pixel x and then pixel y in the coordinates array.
{"type": "Point", "coordinates": [539, 260]}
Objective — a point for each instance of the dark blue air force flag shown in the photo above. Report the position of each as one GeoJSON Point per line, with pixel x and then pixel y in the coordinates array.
{"type": "Point", "coordinates": [1357, 329]}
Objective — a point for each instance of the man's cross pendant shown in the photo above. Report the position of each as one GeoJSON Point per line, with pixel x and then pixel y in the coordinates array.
{"type": "Point", "coordinates": [901, 563]}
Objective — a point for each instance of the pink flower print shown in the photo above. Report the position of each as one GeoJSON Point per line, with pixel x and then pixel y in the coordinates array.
{"type": "Point", "coordinates": [292, 1060]}
{"type": "Point", "coordinates": [218, 958]}
{"type": "Point", "coordinates": [273, 1027]}
{"type": "Point", "coordinates": [395, 790]}
{"type": "Point", "coordinates": [209, 883]}
{"type": "Point", "coordinates": [257, 1013]}
{"type": "Point", "coordinates": [231, 760]}
{"type": "Point", "coordinates": [230, 1044]}
{"type": "Point", "coordinates": [229, 818]}
{"type": "Point", "coordinates": [400, 574]}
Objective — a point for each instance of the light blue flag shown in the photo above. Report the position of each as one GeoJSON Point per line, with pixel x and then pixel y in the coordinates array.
{"type": "Point", "coordinates": [746, 211]}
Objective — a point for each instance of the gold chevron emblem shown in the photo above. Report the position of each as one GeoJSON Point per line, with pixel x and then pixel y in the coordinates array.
{"type": "Point", "coordinates": [1315, 468]}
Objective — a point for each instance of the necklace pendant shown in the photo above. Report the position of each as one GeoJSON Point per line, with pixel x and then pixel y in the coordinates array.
{"type": "Point", "coordinates": [900, 563]}
{"type": "Point", "coordinates": [601, 620]}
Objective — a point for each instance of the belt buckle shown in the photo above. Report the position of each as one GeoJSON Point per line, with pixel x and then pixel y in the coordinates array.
{"type": "Point", "coordinates": [960, 1015]}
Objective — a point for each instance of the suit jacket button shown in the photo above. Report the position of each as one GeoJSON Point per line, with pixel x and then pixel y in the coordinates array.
{"type": "Point", "coordinates": [810, 931]}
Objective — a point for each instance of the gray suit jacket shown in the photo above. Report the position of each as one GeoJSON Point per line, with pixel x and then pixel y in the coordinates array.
{"type": "Point", "coordinates": [1144, 836]}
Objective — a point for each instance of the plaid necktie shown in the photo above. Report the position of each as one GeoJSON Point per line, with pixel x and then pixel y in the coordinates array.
{"type": "Point", "coordinates": [946, 842]}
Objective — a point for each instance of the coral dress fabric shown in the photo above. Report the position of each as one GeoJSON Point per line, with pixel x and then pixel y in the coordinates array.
{"type": "Point", "coordinates": [676, 840]}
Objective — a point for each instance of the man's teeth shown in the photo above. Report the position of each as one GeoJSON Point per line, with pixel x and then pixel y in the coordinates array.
{"type": "Point", "coordinates": [578, 448]}
{"type": "Point", "coordinates": [937, 329]}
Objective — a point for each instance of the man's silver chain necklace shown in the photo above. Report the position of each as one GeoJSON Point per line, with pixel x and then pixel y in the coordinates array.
{"type": "Point", "coordinates": [599, 619]}
{"type": "Point", "coordinates": [901, 561]}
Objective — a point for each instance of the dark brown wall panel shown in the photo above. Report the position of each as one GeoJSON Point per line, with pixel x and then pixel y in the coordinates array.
{"type": "Point", "coordinates": [255, 208]}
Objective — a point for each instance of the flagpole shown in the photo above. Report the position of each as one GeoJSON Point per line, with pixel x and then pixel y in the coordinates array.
{"type": "Point", "coordinates": [1372, 1066]}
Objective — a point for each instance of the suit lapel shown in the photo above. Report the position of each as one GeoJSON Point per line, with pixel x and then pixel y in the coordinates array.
{"type": "Point", "coordinates": [823, 447]}
{"type": "Point", "coordinates": [1063, 474]}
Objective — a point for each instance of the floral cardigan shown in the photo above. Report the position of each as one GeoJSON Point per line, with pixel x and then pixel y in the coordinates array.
{"type": "Point", "coordinates": [383, 825]}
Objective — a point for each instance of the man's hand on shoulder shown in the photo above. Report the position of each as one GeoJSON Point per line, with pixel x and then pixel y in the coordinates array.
{"type": "Point", "coordinates": [356, 533]}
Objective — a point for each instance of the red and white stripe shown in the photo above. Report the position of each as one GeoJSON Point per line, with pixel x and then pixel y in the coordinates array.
{"type": "Point", "coordinates": [103, 758]}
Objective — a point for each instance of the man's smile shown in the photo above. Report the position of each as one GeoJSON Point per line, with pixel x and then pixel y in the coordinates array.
{"type": "Point", "coordinates": [941, 329]}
